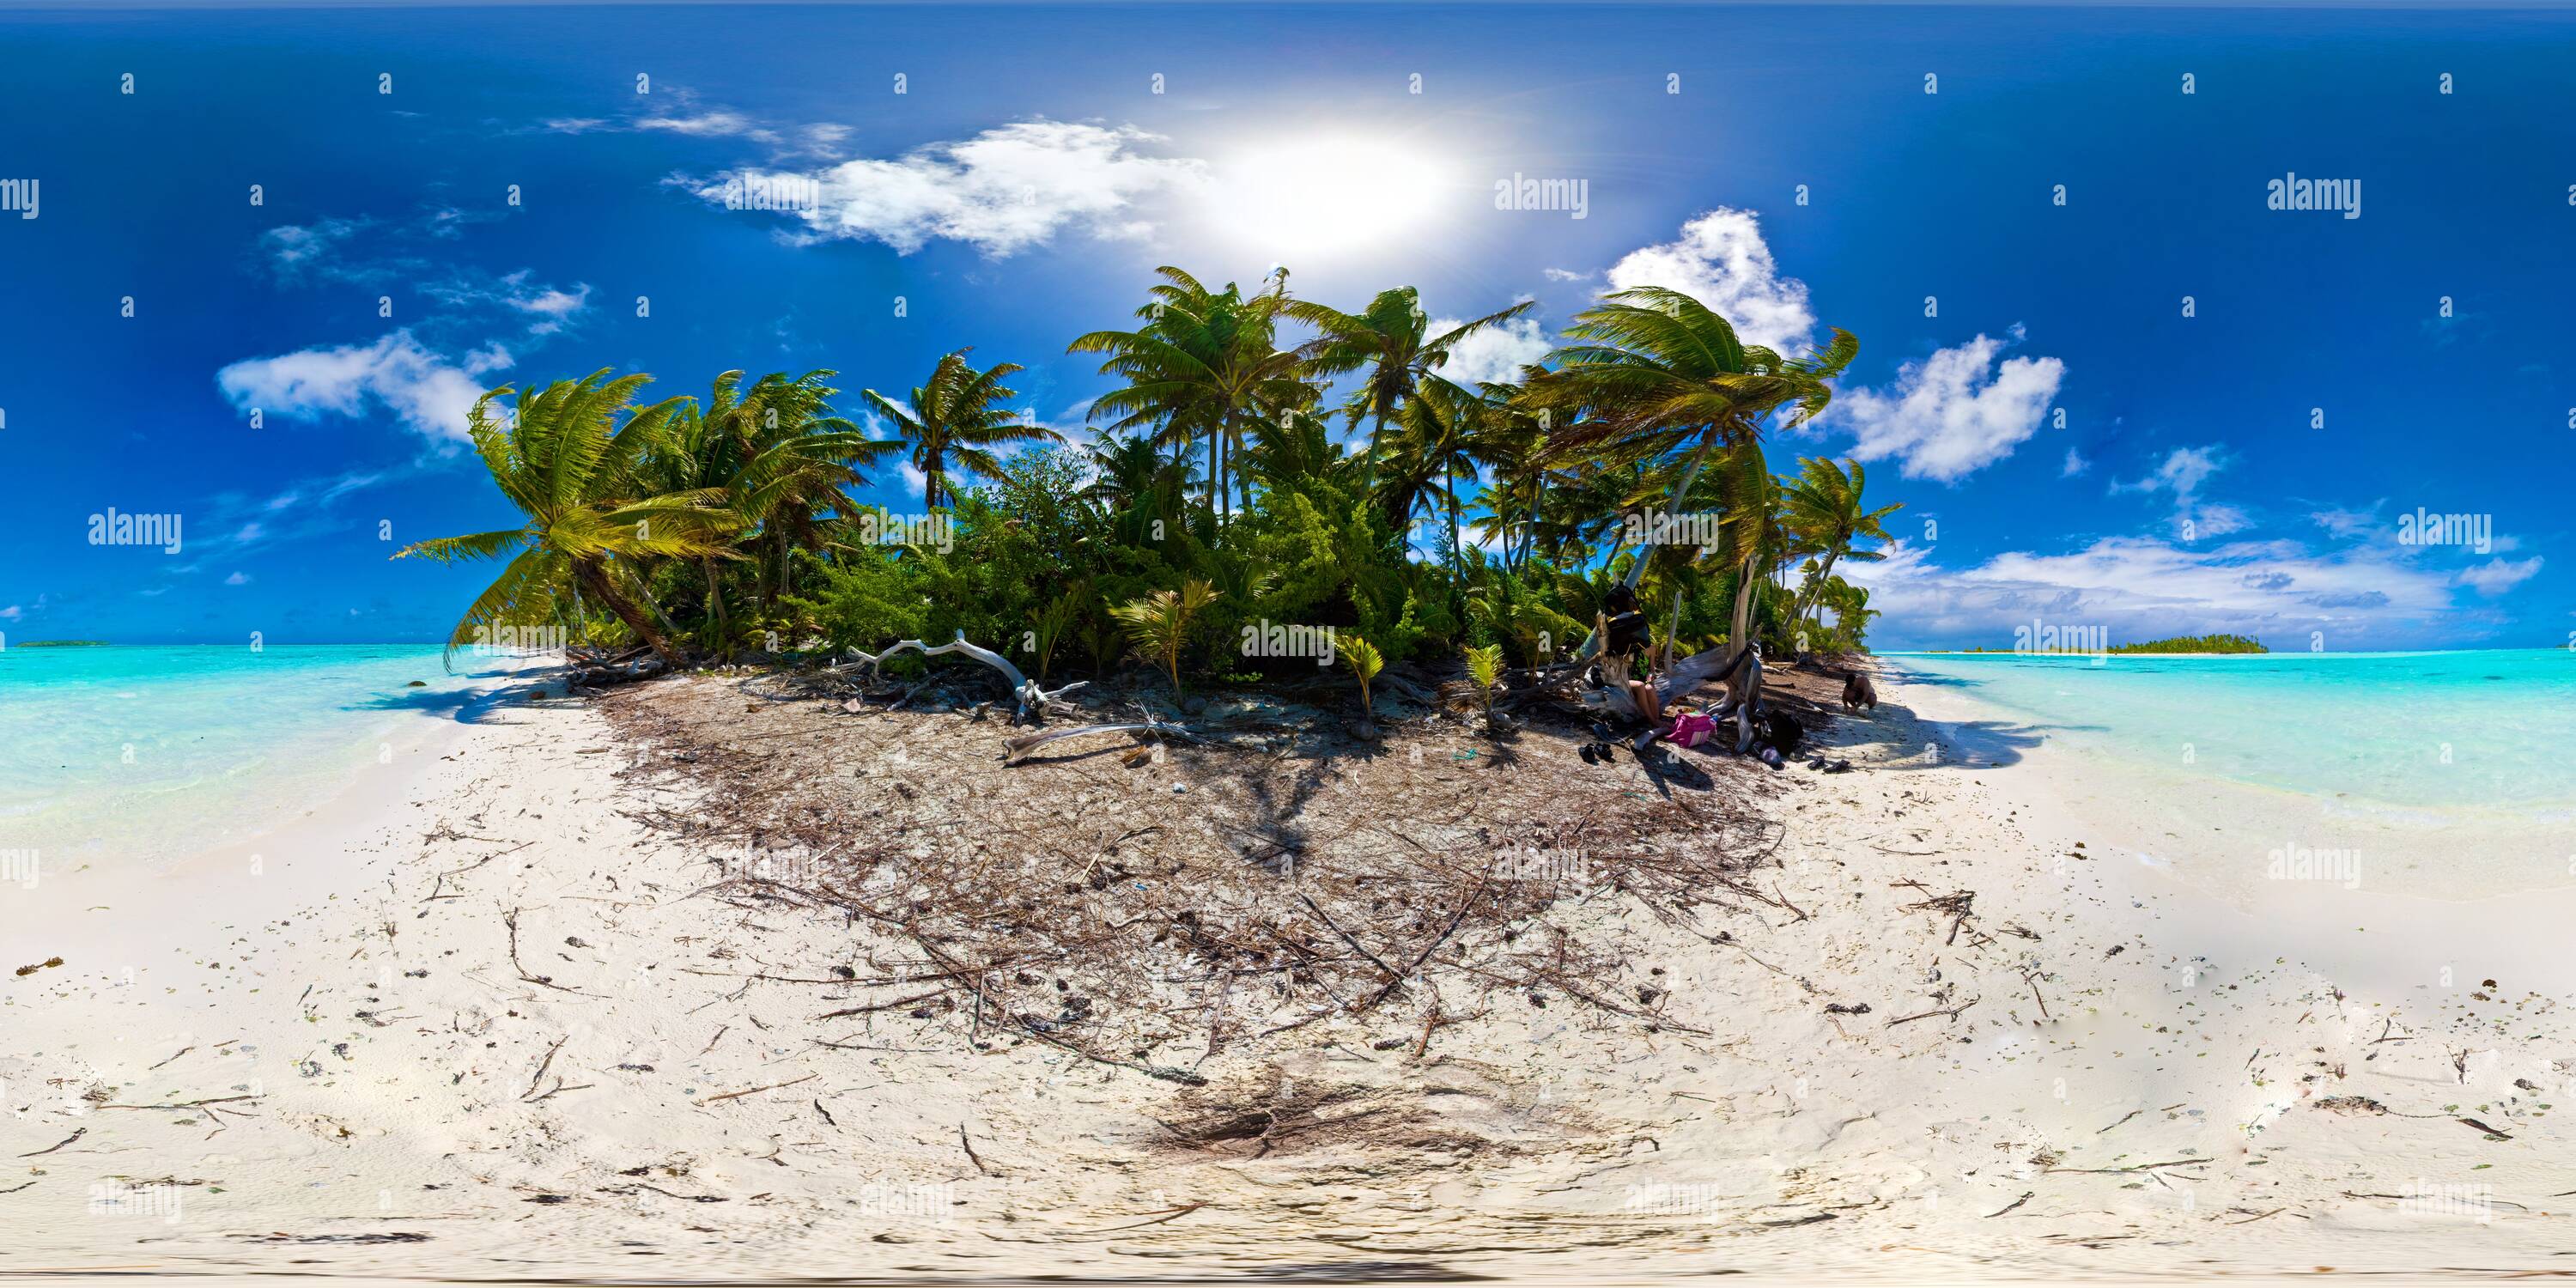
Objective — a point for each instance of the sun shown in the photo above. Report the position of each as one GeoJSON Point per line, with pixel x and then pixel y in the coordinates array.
{"type": "Point", "coordinates": [1326, 197]}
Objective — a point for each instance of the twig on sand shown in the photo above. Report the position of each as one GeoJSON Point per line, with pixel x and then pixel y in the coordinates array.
{"type": "Point", "coordinates": [511, 919]}
{"type": "Point", "coordinates": [751, 1090]}
{"type": "Point", "coordinates": [1169, 1214]}
{"type": "Point", "coordinates": [1434, 945]}
{"type": "Point", "coordinates": [2025, 1198]}
{"type": "Point", "coordinates": [2131, 1114]}
{"type": "Point", "coordinates": [1355, 944]}
{"type": "Point", "coordinates": [2134, 1167]}
{"type": "Point", "coordinates": [76, 1135]}
{"type": "Point", "coordinates": [931, 996]}
{"type": "Point", "coordinates": [542, 1066]}
{"type": "Point", "coordinates": [970, 1152]}
{"type": "Point", "coordinates": [2033, 981]}
{"type": "Point", "coordinates": [1951, 1011]}
{"type": "Point", "coordinates": [182, 1051]}
{"type": "Point", "coordinates": [204, 1106]}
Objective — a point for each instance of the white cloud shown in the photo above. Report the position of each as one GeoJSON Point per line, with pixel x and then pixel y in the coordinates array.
{"type": "Point", "coordinates": [294, 249]}
{"type": "Point", "coordinates": [2140, 588]}
{"type": "Point", "coordinates": [424, 390]}
{"type": "Point", "coordinates": [2180, 477]}
{"type": "Point", "coordinates": [1003, 191]}
{"type": "Point", "coordinates": [2496, 576]}
{"type": "Point", "coordinates": [1722, 261]}
{"type": "Point", "coordinates": [575, 124]}
{"type": "Point", "coordinates": [1953, 413]}
{"type": "Point", "coordinates": [2349, 523]}
{"type": "Point", "coordinates": [2075, 464]}
{"type": "Point", "coordinates": [1495, 353]}
{"type": "Point", "coordinates": [1564, 275]}
{"type": "Point", "coordinates": [711, 124]}
{"type": "Point", "coordinates": [237, 579]}
{"type": "Point", "coordinates": [12, 613]}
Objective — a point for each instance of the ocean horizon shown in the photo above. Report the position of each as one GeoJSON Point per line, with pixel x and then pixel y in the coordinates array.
{"type": "Point", "coordinates": [157, 751]}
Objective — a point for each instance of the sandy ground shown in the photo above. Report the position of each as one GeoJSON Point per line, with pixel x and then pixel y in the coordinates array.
{"type": "Point", "coordinates": [480, 1019]}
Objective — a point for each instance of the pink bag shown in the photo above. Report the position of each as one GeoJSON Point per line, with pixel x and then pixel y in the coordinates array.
{"type": "Point", "coordinates": [1690, 729]}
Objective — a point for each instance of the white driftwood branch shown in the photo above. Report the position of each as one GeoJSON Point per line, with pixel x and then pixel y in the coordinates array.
{"type": "Point", "coordinates": [1023, 689]}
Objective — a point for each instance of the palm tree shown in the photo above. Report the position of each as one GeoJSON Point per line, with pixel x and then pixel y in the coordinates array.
{"type": "Point", "coordinates": [1824, 508]}
{"type": "Point", "coordinates": [783, 459]}
{"type": "Point", "coordinates": [1852, 612]}
{"type": "Point", "coordinates": [1203, 363]}
{"type": "Point", "coordinates": [1392, 339]}
{"type": "Point", "coordinates": [1159, 624]}
{"type": "Point", "coordinates": [957, 416]}
{"type": "Point", "coordinates": [1442, 435]}
{"type": "Point", "coordinates": [589, 519]}
{"type": "Point", "coordinates": [1657, 376]}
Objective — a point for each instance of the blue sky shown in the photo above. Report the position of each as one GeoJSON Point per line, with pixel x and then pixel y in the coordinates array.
{"type": "Point", "coordinates": [1023, 185]}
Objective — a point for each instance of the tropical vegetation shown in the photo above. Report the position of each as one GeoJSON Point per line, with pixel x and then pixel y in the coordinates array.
{"type": "Point", "coordinates": [1260, 460]}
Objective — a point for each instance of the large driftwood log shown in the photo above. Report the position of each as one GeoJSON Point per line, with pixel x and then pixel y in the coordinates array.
{"type": "Point", "coordinates": [1031, 698]}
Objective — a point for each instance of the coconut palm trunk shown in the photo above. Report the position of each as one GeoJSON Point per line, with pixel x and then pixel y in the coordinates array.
{"type": "Point", "coordinates": [593, 577]}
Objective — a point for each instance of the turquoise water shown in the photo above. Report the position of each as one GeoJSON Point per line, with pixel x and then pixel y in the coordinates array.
{"type": "Point", "coordinates": [2492, 731]}
{"type": "Point", "coordinates": [161, 752]}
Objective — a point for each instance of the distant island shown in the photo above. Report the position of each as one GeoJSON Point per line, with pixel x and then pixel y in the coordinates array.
{"type": "Point", "coordinates": [64, 644]}
{"type": "Point", "coordinates": [2195, 644]}
{"type": "Point", "coordinates": [2178, 644]}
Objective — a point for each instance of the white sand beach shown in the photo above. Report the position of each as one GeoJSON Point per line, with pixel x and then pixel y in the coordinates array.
{"type": "Point", "coordinates": [480, 1019]}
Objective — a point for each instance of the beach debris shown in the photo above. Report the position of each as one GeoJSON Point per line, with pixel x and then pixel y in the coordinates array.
{"type": "Point", "coordinates": [1020, 748]}
{"type": "Point", "coordinates": [970, 1150]}
{"type": "Point", "coordinates": [1855, 1008]}
{"type": "Point", "coordinates": [1951, 1011]}
{"type": "Point", "coordinates": [30, 970]}
{"type": "Point", "coordinates": [752, 1090]}
{"type": "Point", "coordinates": [76, 1135]}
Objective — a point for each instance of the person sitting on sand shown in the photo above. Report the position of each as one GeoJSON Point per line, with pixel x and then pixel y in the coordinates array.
{"type": "Point", "coordinates": [1623, 635]}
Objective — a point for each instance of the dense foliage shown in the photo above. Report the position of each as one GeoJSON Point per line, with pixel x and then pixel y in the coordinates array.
{"type": "Point", "coordinates": [1217, 512]}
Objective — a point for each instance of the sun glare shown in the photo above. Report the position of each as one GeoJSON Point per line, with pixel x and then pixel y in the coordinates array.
{"type": "Point", "coordinates": [1330, 196]}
